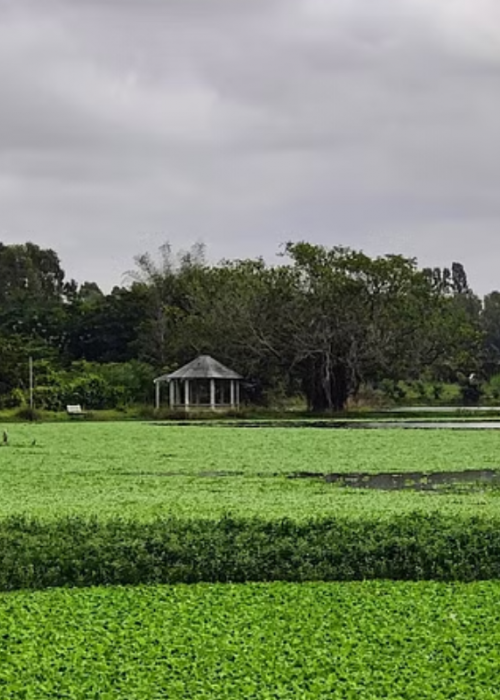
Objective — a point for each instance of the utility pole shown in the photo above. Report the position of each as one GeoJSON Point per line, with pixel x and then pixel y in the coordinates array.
{"type": "Point", "coordinates": [31, 383]}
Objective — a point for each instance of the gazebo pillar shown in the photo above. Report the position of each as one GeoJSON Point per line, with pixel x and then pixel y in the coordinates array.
{"type": "Point", "coordinates": [186, 394]}
{"type": "Point", "coordinates": [232, 394]}
{"type": "Point", "coordinates": [157, 395]}
{"type": "Point", "coordinates": [171, 393]}
{"type": "Point", "coordinates": [212, 394]}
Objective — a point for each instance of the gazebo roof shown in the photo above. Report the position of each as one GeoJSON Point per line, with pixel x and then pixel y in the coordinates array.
{"type": "Point", "coordinates": [203, 367]}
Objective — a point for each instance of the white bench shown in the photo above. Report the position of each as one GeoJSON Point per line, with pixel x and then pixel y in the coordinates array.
{"type": "Point", "coordinates": [74, 410]}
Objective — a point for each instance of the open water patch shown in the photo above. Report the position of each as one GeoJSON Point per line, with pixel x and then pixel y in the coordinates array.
{"type": "Point", "coordinates": [433, 425]}
{"type": "Point", "coordinates": [409, 481]}
{"type": "Point", "coordinates": [348, 425]}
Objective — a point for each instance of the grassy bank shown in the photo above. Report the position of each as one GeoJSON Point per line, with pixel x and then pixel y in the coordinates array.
{"type": "Point", "coordinates": [149, 413]}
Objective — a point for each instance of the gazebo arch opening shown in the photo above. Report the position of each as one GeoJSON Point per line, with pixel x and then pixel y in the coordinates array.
{"type": "Point", "coordinates": [204, 383]}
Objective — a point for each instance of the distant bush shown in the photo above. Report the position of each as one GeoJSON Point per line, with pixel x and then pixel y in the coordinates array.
{"type": "Point", "coordinates": [94, 386]}
{"type": "Point", "coordinates": [27, 413]}
{"type": "Point", "coordinates": [492, 388]}
{"type": "Point", "coordinates": [437, 391]}
{"type": "Point", "coordinates": [77, 552]}
{"type": "Point", "coordinates": [393, 390]}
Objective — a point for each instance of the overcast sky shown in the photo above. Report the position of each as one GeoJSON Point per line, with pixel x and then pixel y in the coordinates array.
{"type": "Point", "coordinates": [246, 123]}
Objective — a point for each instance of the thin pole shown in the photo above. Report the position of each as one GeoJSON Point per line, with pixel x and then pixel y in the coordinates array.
{"type": "Point", "coordinates": [31, 382]}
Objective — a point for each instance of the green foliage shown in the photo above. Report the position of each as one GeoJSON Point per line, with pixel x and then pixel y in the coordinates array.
{"type": "Point", "coordinates": [492, 389]}
{"type": "Point", "coordinates": [369, 640]}
{"type": "Point", "coordinates": [364, 319]}
{"type": "Point", "coordinates": [94, 386]}
{"type": "Point", "coordinates": [29, 414]}
{"type": "Point", "coordinates": [490, 324]}
{"type": "Point", "coordinates": [132, 381]}
{"type": "Point", "coordinates": [395, 391]}
{"type": "Point", "coordinates": [142, 471]}
{"type": "Point", "coordinates": [28, 271]}
{"type": "Point", "coordinates": [76, 552]}
{"type": "Point", "coordinates": [425, 392]}
{"type": "Point", "coordinates": [104, 329]}
{"type": "Point", "coordinates": [85, 388]}
{"type": "Point", "coordinates": [322, 324]}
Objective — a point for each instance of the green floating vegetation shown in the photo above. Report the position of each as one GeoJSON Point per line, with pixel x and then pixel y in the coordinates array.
{"type": "Point", "coordinates": [363, 641]}
{"type": "Point", "coordinates": [144, 471]}
{"type": "Point", "coordinates": [78, 552]}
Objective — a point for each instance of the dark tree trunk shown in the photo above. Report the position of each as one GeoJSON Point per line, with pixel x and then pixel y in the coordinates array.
{"type": "Point", "coordinates": [325, 385]}
{"type": "Point", "coordinates": [340, 389]}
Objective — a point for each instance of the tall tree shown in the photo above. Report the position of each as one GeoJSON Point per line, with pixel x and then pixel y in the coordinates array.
{"type": "Point", "coordinates": [358, 318]}
{"type": "Point", "coordinates": [490, 324]}
{"type": "Point", "coordinates": [106, 328]}
{"type": "Point", "coordinates": [32, 294]}
{"type": "Point", "coordinates": [169, 280]}
{"type": "Point", "coordinates": [29, 271]}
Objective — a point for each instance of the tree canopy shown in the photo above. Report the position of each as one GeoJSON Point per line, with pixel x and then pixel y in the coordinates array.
{"type": "Point", "coordinates": [323, 322]}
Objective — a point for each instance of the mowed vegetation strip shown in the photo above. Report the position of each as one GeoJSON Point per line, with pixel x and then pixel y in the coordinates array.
{"type": "Point", "coordinates": [144, 471]}
{"type": "Point", "coordinates": [308, 641]}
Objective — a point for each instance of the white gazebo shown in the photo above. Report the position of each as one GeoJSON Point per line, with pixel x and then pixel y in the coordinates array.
{"type": "Point", "coordinates": [203, 383]}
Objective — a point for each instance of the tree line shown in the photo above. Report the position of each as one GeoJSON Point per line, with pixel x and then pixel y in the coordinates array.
{"type": "Point", "coordinates": [322, 323]}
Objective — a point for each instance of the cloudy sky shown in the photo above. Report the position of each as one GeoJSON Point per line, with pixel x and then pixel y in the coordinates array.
{"type": "Point", "coordinates": [246, 123]}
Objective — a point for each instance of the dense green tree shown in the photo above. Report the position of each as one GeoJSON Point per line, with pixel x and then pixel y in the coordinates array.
{"type": "Point", "coordinates": [106, 328]}
{"type": "Point", "coordinates": [237, 311]}
{"type": "Point", "coordinates": [323, 322]}
{"type": "Point", "coordinates": [33, 313]}
{"type": "Point", "coordinates": [29, 271]}
{"type": "Point", "coordinates": [490, 325]}
{"type": "Point", "coordinates": [360, 318]}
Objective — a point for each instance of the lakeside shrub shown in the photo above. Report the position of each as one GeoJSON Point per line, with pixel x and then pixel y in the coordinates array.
{"type": "Point", "coordinates": [79, 552]}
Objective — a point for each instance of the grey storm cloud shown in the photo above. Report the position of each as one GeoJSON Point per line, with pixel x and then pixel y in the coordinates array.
{"type": "Point", "coordinates": [246, 123]}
